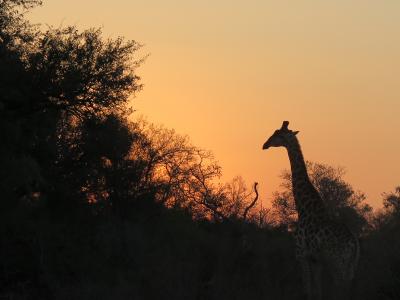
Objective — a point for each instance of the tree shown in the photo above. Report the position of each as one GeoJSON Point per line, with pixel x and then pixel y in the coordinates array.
{"type": "Point", "coordinates": [80, 73]}
{"type": "Point", "coordinates": [14, 29]}
{"type": "Point", "coordinates": [389, 216]}
{"type": "Point", "coordinates": [342, 201]}
{"type": "Point", "coordinates": [391, 201]}
{"type": "Point", "coordinates": [20, 172]}
{"type": "Point", "coordinates": [53, 85]}
{"type": "Point", "coordinates": [181, 174]}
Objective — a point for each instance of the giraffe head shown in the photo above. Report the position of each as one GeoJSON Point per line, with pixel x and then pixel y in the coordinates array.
{"type": "Point", "coordinates": [281, 137]}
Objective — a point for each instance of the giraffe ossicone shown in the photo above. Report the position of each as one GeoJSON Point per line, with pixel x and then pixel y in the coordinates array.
{"type": "Point", "coordinates": [326, 249]}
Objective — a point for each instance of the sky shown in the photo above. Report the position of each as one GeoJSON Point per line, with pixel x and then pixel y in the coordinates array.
{"type": "Point", "coordinates": [228, 72]}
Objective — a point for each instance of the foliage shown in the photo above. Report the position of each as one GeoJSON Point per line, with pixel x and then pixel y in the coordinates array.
{"type": "Point", "coordinates": [80, 73]}
{"type": "Point", "coordinates": [341, 200]}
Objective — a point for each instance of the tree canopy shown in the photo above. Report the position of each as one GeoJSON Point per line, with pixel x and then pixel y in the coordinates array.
{"type": "Point", "coordinates": [340, 198]}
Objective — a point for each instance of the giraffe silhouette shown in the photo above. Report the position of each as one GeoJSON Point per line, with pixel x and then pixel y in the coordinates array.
{"type": "Point", "coordinates": [326, 249]}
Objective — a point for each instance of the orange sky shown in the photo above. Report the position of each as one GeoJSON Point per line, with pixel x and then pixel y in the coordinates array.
{"type": "Point", "coordinates": [228, 72]}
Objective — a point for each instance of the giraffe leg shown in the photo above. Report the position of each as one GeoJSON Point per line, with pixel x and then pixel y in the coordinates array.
{"type": "Point", "coordinates": [338, 287]}
{"type": "Point", "coordinates": [307, 278]}
{"type": "Point", "coordinates": [316, 277]}
{"type": "Point", "coordinates": [343, 290]}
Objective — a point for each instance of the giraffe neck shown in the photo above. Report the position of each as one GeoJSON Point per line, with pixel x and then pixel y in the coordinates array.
{"type": "Point", "coordinates": [307, 199]}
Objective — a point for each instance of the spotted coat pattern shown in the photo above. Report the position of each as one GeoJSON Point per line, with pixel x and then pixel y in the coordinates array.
{"type": "Point", "coordinates": [322, 243]}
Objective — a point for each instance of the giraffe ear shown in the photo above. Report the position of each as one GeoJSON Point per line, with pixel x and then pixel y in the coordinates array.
{"type": "Point", "coordinates": [295, 132]}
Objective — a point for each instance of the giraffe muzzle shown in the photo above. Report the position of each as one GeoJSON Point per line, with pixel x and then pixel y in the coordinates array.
{"type": "Point", "coordinates": [266, 145]}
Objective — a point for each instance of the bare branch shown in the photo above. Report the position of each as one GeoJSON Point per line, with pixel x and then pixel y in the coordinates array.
{"type": "Point", "coordinates": [246, 211]}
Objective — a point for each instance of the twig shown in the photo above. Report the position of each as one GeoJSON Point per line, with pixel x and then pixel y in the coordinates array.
{"type": "Point", "coordinates": [246, 211]}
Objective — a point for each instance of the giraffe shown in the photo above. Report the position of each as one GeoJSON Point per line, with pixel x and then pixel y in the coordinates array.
{"type": "Point", "coordinates": [326, 249]}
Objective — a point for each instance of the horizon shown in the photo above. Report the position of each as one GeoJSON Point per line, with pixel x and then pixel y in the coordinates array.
{"type": "Point", "coordinates": [331, 69]}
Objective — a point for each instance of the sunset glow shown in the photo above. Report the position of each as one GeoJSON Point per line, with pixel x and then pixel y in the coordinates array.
{"type": "Point", "coordinates": [227, 73]}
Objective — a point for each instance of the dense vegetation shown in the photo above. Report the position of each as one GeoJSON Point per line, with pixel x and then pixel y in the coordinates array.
{"type": "Point", "coordinates": [94, 205]}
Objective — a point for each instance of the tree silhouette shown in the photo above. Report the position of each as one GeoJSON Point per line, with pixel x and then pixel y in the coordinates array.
{"type": "Point", "coordinates": [56, 84]}
{"type": "Point", "coordinates": [341, 199]}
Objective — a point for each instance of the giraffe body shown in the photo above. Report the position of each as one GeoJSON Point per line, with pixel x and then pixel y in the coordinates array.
{"type": "Point", "coordinates": [326, 249]}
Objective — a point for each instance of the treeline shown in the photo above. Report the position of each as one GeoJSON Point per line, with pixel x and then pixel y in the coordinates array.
{"type": "Point", "coordinates": [94, 205]}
